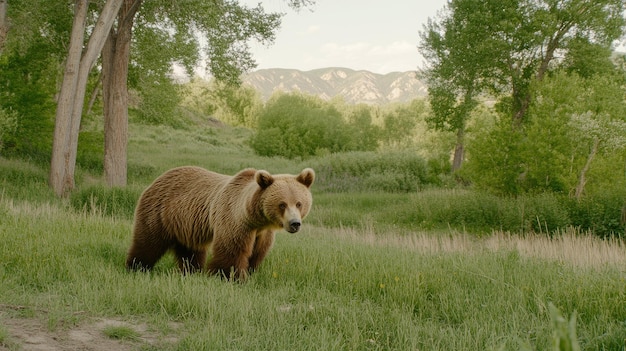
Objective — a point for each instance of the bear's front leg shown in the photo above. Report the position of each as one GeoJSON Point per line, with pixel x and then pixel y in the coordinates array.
{"type": "Point", "coordinates": [262, 246]}
{"type": "Point", "coordinates": [231, 258]}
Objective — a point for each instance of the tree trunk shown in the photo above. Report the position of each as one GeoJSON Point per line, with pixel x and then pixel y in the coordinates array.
{"type": "Point", "coordinates": [581, 179]}
{"type": "Point", "coordinates": [116, 57]}
{"type": "Point", "coordinates": [60, 144]}
{"type": "Point", "coordinates": [459, 150]}
{"type": "Point", "coordinates": [72, 94]}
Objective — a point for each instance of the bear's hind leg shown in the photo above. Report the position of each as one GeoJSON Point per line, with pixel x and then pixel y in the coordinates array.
{"type": "Point", "coordinates": [143, 255]}
{"type": "Point", "coordinates": [189, 261]}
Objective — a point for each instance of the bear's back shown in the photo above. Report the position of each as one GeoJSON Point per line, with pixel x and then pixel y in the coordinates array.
{"type": "Point", "coordinates": [178, 200]}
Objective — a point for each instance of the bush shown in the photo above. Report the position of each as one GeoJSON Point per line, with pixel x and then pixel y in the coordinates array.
{"type": "Point", "coordinates": [8, 125]}
{"type": "Point", "coordinates": [298, 126]}
{"type": "Point", "coordinates": [478, 212]}
{"type": "Point", "coordinates": [400, 171]}
{"type": "Point", "coordinates": [602, 213]}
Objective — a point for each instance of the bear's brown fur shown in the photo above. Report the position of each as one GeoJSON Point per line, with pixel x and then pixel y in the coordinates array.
{"type": "Point", "coordinates": [189, 209]}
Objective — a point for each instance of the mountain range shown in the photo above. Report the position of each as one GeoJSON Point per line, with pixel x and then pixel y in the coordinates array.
{"type": "Point", "coordinates": [327, 83]}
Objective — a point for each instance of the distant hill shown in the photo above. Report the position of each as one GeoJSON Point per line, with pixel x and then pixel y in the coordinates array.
{"type": "Point", "coordinates": [327, 83]}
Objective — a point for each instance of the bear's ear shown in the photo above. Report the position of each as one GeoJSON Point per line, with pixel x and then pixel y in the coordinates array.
{"type": "Point", "coordinates": [306, 177]}
{"type": "Point", "coordinates": [264, 179]}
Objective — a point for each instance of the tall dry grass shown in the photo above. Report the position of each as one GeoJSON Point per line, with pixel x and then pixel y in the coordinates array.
{"type": "Point", "coordinates": [572, 247]}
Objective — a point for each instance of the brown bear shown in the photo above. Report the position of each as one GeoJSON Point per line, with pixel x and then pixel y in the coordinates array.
{"type": "Point", "coordinates": [189, 209]}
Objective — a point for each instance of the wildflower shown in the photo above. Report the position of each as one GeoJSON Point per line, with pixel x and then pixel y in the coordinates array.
{"type": "Point", "coordinates": [382, 286]}
{"type": "Point", "coordinates": [274, 275]}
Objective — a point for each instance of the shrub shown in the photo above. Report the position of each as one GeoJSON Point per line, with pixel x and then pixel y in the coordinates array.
{"type": "Point", "coordinates": [298, 126]}
{"type": "Point", "coordinates": [399, 171]}
{"type": "Point", "coordinates": [478, 212]}
{"type": "Point", "coordinates": [602, 213]}
{"type": "Point", "coordinates": [8, 125]}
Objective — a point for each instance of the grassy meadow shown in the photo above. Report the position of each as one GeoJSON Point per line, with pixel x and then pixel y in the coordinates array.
{"type": "Point", "coordinates": [368, 271]}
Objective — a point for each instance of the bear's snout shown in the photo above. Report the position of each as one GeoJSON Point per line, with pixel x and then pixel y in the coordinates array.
{"type": "Point", "coordinates": [294, 226]}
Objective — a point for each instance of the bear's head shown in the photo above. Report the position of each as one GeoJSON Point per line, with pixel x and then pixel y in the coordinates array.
{"type": "Point", "coordinates": [286, 199]}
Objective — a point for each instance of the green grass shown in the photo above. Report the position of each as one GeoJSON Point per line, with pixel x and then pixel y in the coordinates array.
{"type": "Point", "coordinates": [320, 289]}
{"type": "Point", "coordinates": [121, 332]}
{"type": "Point", "coordinates": [365, 273]}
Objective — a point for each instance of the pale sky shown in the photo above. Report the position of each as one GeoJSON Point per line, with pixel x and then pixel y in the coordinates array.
{"type": "Point", "coordinates": [378, 36]}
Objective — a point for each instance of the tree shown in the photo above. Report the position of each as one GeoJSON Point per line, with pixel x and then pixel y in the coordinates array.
{"type": "Point", "coordinates": [457, 50]}
{"type": "Point", "coordinates": [504, 49]}
{"type": "Point", "coordinates": [115, 62]}
{"type": "Point", "coordinates": [399, 123]}
{"type": "Point", "coordinates": [29, 60]}
{"type": "Point", "coordinates": [296, 125]}
{"type": "Point", "coordinates": [238, 105]}
{"type": "Point", "coordinates": [572, 121]}
{"type": "Point", "coordinates": [224, 25]}
{"type": "Point", "coordinates": [503, 46]}
{"type": "Point", "coordinates": [71, 95]}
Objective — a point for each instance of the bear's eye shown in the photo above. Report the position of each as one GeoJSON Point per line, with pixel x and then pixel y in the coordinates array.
{"type": "Point", "coordinates": [298, 205]}
{"type": "Point", "coordinates": [282, 206]}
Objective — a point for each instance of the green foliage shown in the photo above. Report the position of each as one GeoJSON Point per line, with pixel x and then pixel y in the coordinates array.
{"type": "Point", "coordinates": [8, 126]}
{"type": "Point", "coordinates": [27, 85]}
{"type": "Point", "coordinates": [550, 152]}
{"type": "Point", "coordinates": [238, 105]}
{"type": "Point", "coordinates": [159, 102]}
{"type": "Point", "coordinates": [465, 211]}
{"type": "Point", "coordinates": [396, 171]}
{"type": "Point", "coordinates": [29, 67]}
{"type": "Point", "coordinates": [588, 59]}
{"type": "Point", "coordinates": [603, 212]}
{"type": "Point", "coordinates": [296, 125]}
{"type": "Point", "coordinates": [564, 338]}
{"type": "Point", "coordinates": [364, 134]}
{"type": "Point", "coordinates": [232, 105]}
{"type": "Point", "coordinates": [90, 153]}
{"type": "Point", "coordinates": [494, 161]}
{"type": "Point", "coordinates": [477, 47]}
{"type": "Point", "coordinates": [293, 125]}
{"type": "Point", "coordinates": [399, 123]}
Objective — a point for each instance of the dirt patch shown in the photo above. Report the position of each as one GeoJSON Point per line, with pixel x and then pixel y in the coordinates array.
{"type": "Point", "coordinates": [31, 334]}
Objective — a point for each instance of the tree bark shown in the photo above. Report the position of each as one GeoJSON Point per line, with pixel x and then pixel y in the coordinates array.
{"type": "Point", "coordinates": [459, 150]}
{"type": "Point", "coordinates": [116, 58]}
{"type": "Point", "coordinates": [72, 94]}
{"type": "Point", "coordinates": [580, 188]}
{"type": "Point", "coordinates": [60, 150]}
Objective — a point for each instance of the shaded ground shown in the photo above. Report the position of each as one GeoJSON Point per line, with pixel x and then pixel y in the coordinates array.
{"type": "Point", "coordinates": [32, 334]}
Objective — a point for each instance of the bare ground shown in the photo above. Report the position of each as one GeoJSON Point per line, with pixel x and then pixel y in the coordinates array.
{"type": "Point", "coordinates": [32, 334]}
